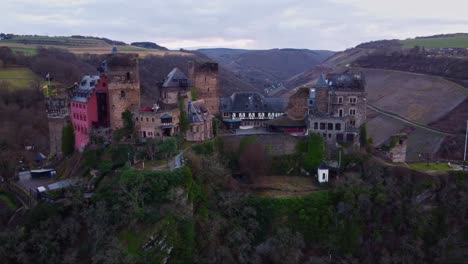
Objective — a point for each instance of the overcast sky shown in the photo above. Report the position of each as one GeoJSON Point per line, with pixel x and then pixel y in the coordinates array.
{"type": "Point", "coordinates": [251, 24]}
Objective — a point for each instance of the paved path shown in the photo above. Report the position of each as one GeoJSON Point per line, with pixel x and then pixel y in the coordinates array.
{"type": "Point", "coordinates": [407, 121]}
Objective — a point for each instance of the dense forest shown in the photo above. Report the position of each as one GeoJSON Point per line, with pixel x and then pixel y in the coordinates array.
{"type": "Point", "coordinates": [201, 214]}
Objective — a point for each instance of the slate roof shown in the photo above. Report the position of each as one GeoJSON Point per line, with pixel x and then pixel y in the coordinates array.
{"type": "Point", "coordinates": [176, 78]}
{"type": "Point", "coordinates": [285, 121]}
{"type": "Point", "coordinates": [197, 112]}
{"type": "Point", "coordinates": [321, 81]}
{"type": "Point", "coordinates": [85, 88]}
{"type": "Point", "coordinates": [347, 80]}
{"type": "Point", "coordinates": [252, 102]}
{"type": "Point", "coordinates": [323, 166]}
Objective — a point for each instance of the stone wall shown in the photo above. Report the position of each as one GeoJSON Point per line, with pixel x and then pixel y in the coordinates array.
{"type": "Point", "coordinates": [297, 105]}
{"type": "Point", "coordinates": [150, 122]}
{"type": "Point", "coordinates": [398, 152]}
{"type": "Point", "coordinates": [321, 99]}
{"type": "Point", "coordinates": [55, 135]}
{"type": "Point", "coordinates": [124, 86]}
{"type": "Point", "coordinates": [277, 144]}
{"type": "Point", "coordinates": [205, 80]}
{"type": "Point", "coordinates": [199, 131]}
{"type": "Point", "coordinates": [360, 105]}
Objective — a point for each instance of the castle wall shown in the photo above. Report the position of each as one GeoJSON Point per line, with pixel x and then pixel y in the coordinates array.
{"type": "Point", "coordinates": [321, 99]}
{"type": "Point", "coordinates": [199, 131]}
{"type": "Point", "coordinates": [56, 125]}
{"type": "Point", "coordinates": [349, 101]}
{"type": "Point", "coordinates": [297, 105]}
{"type": "Point", "coordinates": [205, 79]}
{"type": "Point", "coordinates": [148, 124]}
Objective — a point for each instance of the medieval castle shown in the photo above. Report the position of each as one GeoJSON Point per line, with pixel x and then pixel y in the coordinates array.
{"type": "Point", "coordinates": [335, 107]}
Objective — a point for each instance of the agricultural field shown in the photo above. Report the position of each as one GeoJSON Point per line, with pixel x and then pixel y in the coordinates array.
{"type": "Point", "coordinates": [18, 77]}
{"type": "Point", "coordinates": [442, 42]}
{"type": "Point", "coordinates": [417, 97]}
{"type": "Point", "coordinates": [28, 45]}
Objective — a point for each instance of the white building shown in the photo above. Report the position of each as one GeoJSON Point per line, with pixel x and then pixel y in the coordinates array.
{"type": "Point", "coordinates": [322, 173]}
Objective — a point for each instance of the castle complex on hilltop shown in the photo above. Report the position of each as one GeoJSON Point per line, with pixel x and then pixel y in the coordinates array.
{"type": "Point", "coordinates": [335, 106]}
{"type": "Point", "coordinates": [98, 101]}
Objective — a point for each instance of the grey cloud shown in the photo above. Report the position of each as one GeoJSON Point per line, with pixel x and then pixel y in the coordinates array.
{"type": "Point", "coordinates": [323, 24]}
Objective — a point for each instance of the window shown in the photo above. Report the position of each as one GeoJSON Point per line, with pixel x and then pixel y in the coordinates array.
{"type": "Point", "coordinates": [339, 137]}
{"type": "Point", "coordinates": [136, 118]}
{"type": "Point", "coordinates": [147, 119]}
{"type": "Point", "coordinates": [337, 126]}
{"type": "Point", "coordinates": [122, 94]}
{"type": "Point", "coordinates": [350, 138]}
{"type": "Point", "coordinates": [352, 100]}
{"type": "Point", "coordinates": [330, 126]}
{"type": "Point", "coordinates": [352, 123]}
{"type": "Point", "coordinates": [152, 119]}
{"type": "Point", "coordinates": [352, 112]}
{"type": "Point", "coordinates": [340, 112]}
{"type": "Point", "coordinates": [322, 126]}
{"type": "Point", "coordinates": [340, 99]}
{"type": "Point", "coordinates": [128, 76]}
{"type": "Point", "coordinates": [329, 135]}
{"type": "Point", "coordinates": [323, 176]}
{"type": "Point", "coordinates": [316, 125]}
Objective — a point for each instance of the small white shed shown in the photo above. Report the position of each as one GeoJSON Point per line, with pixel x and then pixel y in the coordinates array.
{"type": "Point", "coordinates": [322, 172]}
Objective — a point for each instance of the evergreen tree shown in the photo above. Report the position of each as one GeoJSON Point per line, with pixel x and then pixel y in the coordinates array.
{"type": "Point", "coordinates": [68, 140]}
{"type": "Point", "coordinates": [183, 122]}
{"type": "Point", "coordinates": [363, 135]}
{"type": "Point", "coordinates": [315, 152]}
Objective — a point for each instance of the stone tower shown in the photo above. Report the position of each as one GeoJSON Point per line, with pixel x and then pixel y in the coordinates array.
{"type": "Point", "coordinates": [204, 76]}
{"type": "Point", "coordinates": [123, 86]}
{"type": "Point", "coordinates": [57, 108]}
{"type": "Point", "coordinates": [398, 147]}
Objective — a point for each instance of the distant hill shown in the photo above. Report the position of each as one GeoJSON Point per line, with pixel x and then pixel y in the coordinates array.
{"type": "Point", "coordinates": [28, 45]}
{"type": "Point", "coordinates": [264, 68]}
{"type": "Point", "coordinates": [148, 45]}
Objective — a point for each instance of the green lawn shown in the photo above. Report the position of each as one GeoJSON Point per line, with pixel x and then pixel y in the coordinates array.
{"type": "Point", "coordinates": [25, 51]}
{"type": "Point", "coordinates": [446, 42]}
{"type": "Point", "coordinates": [8, 200]}
{"type": "Point", "coordinates": [18, 77]}
{"type": "Point", "coordinates": [423, 166]}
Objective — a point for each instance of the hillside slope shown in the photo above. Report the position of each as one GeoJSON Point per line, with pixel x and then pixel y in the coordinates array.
{"type": "Point", "coordinates": [264, 68]}
{"type": "Point", "coordinates": [78, 45]}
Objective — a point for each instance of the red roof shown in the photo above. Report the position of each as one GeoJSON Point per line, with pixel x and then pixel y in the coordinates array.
{"type": "Point", "coordinates": [146, 109]}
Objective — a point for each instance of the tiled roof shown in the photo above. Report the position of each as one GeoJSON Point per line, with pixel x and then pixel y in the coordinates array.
{"type": "Point", "coordinates": [85, 88]}
{"type": "Point", "coordinates": [176, 78]}
{"type": "Point", "coordinates": [252, 102]}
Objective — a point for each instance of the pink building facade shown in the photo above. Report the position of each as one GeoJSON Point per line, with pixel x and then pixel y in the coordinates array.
{"type": "Point", "coordinates": [89, 108]}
